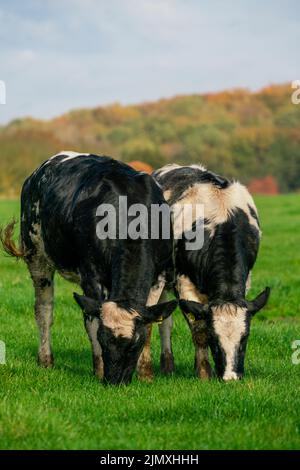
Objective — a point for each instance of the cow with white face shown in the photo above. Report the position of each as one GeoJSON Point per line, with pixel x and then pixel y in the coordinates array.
{"type": "Point", "coordinates": [212, 280]}
{"type": "Point", "coordinates": [121, 277]}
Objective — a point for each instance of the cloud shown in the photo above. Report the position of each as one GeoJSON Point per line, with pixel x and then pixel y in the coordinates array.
{"type": "Point", "coordinates": [26, 55]}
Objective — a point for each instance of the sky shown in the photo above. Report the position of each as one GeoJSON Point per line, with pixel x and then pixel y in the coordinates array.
{"type": "Point", "coordinates": [57, 55]}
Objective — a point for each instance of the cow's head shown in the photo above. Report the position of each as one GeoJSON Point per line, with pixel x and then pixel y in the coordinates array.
{"type": "Point", "coordinates": [228, 327]}
{"type": "Point", "coordinates": [122, 333]}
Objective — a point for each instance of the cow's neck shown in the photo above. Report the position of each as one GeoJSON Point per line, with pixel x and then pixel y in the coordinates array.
{"type": "Point", "coordinates": [228, 283]}
{"type": "Point", "coordinates": [132, 283]}
{"type": "Point", "coordinates": [225, 266]}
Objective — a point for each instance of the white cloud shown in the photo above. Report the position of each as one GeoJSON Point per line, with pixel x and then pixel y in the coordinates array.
{"type": "Point", "coordinates": [26, 56]}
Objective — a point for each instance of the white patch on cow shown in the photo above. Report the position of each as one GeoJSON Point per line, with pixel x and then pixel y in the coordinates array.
{"type": "Point", "coordinates": [156, 291]}
{"type": "Point", "coordinates": [117, 319]}
{"type": "Point", "coordinates": [157, 183]}
{"type": "Point", "coordinates": [237, 196]}
{"type": "Point", "coordinates": [72, 155]}
{"type": "Point", "coordinates": [167, 194]}
{"type": "Point", "coordinates": [229, 323]}
{"type": "Point", "coordinates": [218, 204]}
{"type": "Point", "coordinates": [188, 291]}
{"type": "Point", "coordinates": [167, 168]}
{"type": "Point", "coordinates": [69, 155]}
{"type": "Point", "coordinates": [36, 237]}
{"type": "Point", "coordinates": [248, 282]}
{"type": "Point", "coordinates": [198, 167]}
{"type": "Point", "coordinates": [37, 207]}
{"type": "Point", "coordinates": [36, 234]}
{"type": "Point", "coordinates": [53, 157]}
{"type": "Point", "coordinates": [174, 166]}
{"type": "Point", "coordinates": [230, 376]}
{"type": "Point", "coordinates": [186, 211]}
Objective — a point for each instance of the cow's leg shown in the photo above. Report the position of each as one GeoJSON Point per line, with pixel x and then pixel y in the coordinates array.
{"type": "Point", "coordinates": [144, 366]}
{"type": "Point", "coordinates": [42, 276]}
{"type": "Point", "coordinates": [92, 327]}
{"type": "Point", "coordinates": [165, 331]}
{"type": "Point", "coordinates": [93, 289]}
{"type": "Point", "coordinates": [200, 340]}
{"type": "Point", "coordinates": [188, 291]}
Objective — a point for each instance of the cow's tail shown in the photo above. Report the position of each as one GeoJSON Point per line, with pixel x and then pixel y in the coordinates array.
{"type": "Point", "coordinates": [7, 242]}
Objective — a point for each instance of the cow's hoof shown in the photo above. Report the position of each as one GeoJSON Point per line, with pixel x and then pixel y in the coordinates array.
{"type": "Point", "coordinates": [98, 367]}
{"type": "Point", "coordinates": [167, 365]}
{"type": "Point", "coordinates": [146, 378]}
{"type": "Point", "coordinates": [46, 360]}
{"type": "Point", "coordinates": [204, 372]}
{"type": "Point", "coordinates": [145, 372]}
{"type": "Point", "coordinates": [98, 374]}
{"type": "Point", "coordinates": [203, 375]}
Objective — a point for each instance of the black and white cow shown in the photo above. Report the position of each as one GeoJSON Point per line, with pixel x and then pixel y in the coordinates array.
{"type": "Point", "coordinates": [212, 281]}
{"type": "Point", "coordinates": [122, 279]}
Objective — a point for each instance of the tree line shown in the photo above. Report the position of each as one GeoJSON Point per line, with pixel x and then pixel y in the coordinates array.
{"type": "Point", "coordinates": [237, 133]}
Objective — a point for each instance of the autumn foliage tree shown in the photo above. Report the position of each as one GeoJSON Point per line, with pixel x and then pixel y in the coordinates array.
{"type": "Point", "coordinates": [237, 133]}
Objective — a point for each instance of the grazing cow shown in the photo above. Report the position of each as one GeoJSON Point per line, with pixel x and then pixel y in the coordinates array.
{"type": "Point", "coordinates": [212, 280]}
{"type": "Point", "coordinates": [122, 279]}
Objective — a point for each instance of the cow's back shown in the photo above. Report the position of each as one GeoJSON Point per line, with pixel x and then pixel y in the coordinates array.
{"type": "Point", "coordinates": [59, 204]}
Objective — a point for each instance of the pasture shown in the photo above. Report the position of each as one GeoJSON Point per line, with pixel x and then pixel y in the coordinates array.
{"type": "Point", "coordinates": [66, 408]}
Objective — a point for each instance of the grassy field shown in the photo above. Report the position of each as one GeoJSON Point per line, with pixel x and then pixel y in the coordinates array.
{"type": "Point", "coordinates": [66, 408]}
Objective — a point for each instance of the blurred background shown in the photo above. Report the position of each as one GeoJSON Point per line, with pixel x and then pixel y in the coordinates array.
{"type": "Point", "coordinates": [152, 82]}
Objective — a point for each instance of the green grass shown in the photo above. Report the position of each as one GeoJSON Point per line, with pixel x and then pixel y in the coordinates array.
{"type": "Point", "coordinates": [66, 408]}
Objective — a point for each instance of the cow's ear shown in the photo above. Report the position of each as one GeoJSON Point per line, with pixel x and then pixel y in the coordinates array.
{"type": "Point", "coordinates": [215, 179]}
{"type": "Point", "coordinates": [159, 312]}
{"type": "Point", "coordinates": [259, 302]}
{"type": "Point", "coordinates": [89, 306]}
{"type": "Point", "coordinates": [194, 310]}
